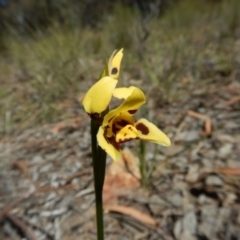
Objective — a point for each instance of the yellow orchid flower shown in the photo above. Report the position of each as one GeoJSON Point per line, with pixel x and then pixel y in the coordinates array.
{"type": "Point", "coordinates": [119, 126]}
{"type": "Point", "coordinates": [99, 95]}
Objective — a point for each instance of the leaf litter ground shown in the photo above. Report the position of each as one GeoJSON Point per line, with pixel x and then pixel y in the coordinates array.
{"type": "Point", "coordinates": [46, 189]}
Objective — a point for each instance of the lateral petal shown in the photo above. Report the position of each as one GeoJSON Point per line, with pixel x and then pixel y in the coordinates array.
{"type": "Point", "coordinates": [130, 105]}
{"type": "Point", "coordinates": [149, 132]}
{"type": "Point", "coordinates": [123, 93]}
{"type": "Point", "coordinates": [113, 150]}
{"type": "Point", "coordinates": [99, 95]}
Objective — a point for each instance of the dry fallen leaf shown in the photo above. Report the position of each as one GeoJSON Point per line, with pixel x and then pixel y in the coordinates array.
{"type": "Point", "coordinates": [132, 163]}
{"type": "Point", "coordinates": [120, 184]}
{"type": "Point", "coordinates": [233, 100]}
{"type": "Point", "coordinates": [22, 166]}
{"type": "Point", "coordinates": [119, 181]}
{"type": "Point", "coordinates": [27, 231]}
{"type": "Point", "coordinates": [228, 170]}
{"type": "Point", "coordinates": [207, 125]}
{"type": "Point", "coordinates": [140, 216]}
{"type": "Point", "coordinates": [233, 88]}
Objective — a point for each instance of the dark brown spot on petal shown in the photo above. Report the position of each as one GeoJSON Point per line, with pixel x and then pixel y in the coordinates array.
{"type": "Point", "coordinates": [123, 123]}
{"type": "Point", "coordinates": [114, 71]}
{"type": "Point", "coordinates": [115, 129]}
{"type": "Point", "coordinates": [112, 141]}
{"type": "Point", "coordinates": [116, 145]}
{"type": "Point", "coordinates": [125, 134]}
{"type": "Point", "coordinates": [125, 140]}
{"type": "Point", "coordinates": [142, 128]}
{"type": "Point", "coordinates": [132, 111]}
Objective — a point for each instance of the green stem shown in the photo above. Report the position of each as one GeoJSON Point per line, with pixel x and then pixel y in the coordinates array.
{"type": "Point", "coordinates": [143, 166]}
{"type": "Point", "coordinates": [99, 164]}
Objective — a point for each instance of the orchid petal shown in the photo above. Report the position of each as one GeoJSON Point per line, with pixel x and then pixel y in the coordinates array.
{"type": "Point", "coordinates": [123, 93]}
{"type": "Point", "coordinates": [99, 95]}
{"type": "Point", "coordinates": [113, 151]}
{"type": "Point", "coordinates": [130, 105]}
{"type": "Point", "coordinates": [114, 63]}
{"type": "Point", "coordinates": [149, 132]}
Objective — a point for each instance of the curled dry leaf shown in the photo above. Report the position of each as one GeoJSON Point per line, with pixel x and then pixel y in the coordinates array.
{"type": "Point", "coordinates": [132, 163]}
{"type": "Point", "coordinates": [207, 125]}
{"type": "Point", "coordinates": [120, 184]}
{"type": "Point", "coordinates": [121, 178]}
{"type": "Point", "coordinates": [140, 216]}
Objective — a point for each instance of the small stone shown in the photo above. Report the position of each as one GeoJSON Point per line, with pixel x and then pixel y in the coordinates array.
{"type": "Point", "coordinates": [233, 163]}
{"type": "Point", "coordinates": [225, 150]}
{"type": "Point", "coordinates": [46, 168]}
{"type": "Point", "coordinates": [209, 153]}
{"type": "Point", "coordinates": [225, 138]}
{"type": "Point", "coordinates": [230, 199]}
{"type": "Point", "coordinates": [185, 228]}
{"type": "Point", "coordinates": [52, 156]}
{"type": "Point", "coordinates": [190, 223]}
{"type": "Point", "coordinates": [188, 136]}
{"type": "Point", "coordinates": [37, 159]}
{"type": "Point", "coordinates": [193, 173]}
{"type": "Point", "coordinates": [173, 150]}
{"type": "Point", "coordinates": [157, 204]}
{"type": "Point", "coordinates": [203, 199]}
{"type": "Point", "coordinates": [231, 125]}
{"type": "Point", "coordinates": [208, 220]}
{"type": "Point", "coordinates": [176, 199]}
{"type": "Point", "coordinates": [214, 180]}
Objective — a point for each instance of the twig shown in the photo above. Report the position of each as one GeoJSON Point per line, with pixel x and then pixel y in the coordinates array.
{"type": "Point", "coordinates": [26, 230]}
{"type": "Point", "coordinates": [208, 124]}
{"type": "Point", "coordinates": [78, 174]}
{"type": "Point", "coordinates": [9, 207]}
{"type": "Point", "coordinates": [233, 100]}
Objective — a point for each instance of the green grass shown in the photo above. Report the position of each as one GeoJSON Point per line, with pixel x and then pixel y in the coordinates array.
{"type": "Point", "coordinates": [191, 43]}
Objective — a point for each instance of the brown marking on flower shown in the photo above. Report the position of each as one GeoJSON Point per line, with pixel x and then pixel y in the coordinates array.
{"type": "Point", "coordinates": [130, 128]}
{"type": "Point", "coordinates": [132, 111]}
{"type": "Point", "coordinates": [115, 129]}
{"type": "Point", "coordinates": [125, 140]}
{"type": "Point", "coordinates": [142, 128]}
{"type": "Point", "coordinates": [114, 71]}
{"type": "Point", "coordinates": [123, 123]}
{"type": "Point", "coordinates": [125, 134]}
{"type": "Point", "coordinates": [115, 144]}
{"type": "Point", "coordinates": [110, 119]}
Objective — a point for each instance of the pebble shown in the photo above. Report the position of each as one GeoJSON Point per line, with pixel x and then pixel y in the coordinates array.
{"type": "Point", "coordinates": [37, 159]}
{"type": "Point", "coordinates": [214, 180]}
{"type": "Point", "coordinates": [225, 150]}
{"type": "Point", "coordinates": [188, 136]}
{"type": "Point", "coordinates": [175, 199]}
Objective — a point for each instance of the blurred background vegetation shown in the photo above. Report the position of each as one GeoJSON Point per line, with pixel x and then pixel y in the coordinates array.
{"type": "Point", "coordinates": [51, 51]}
